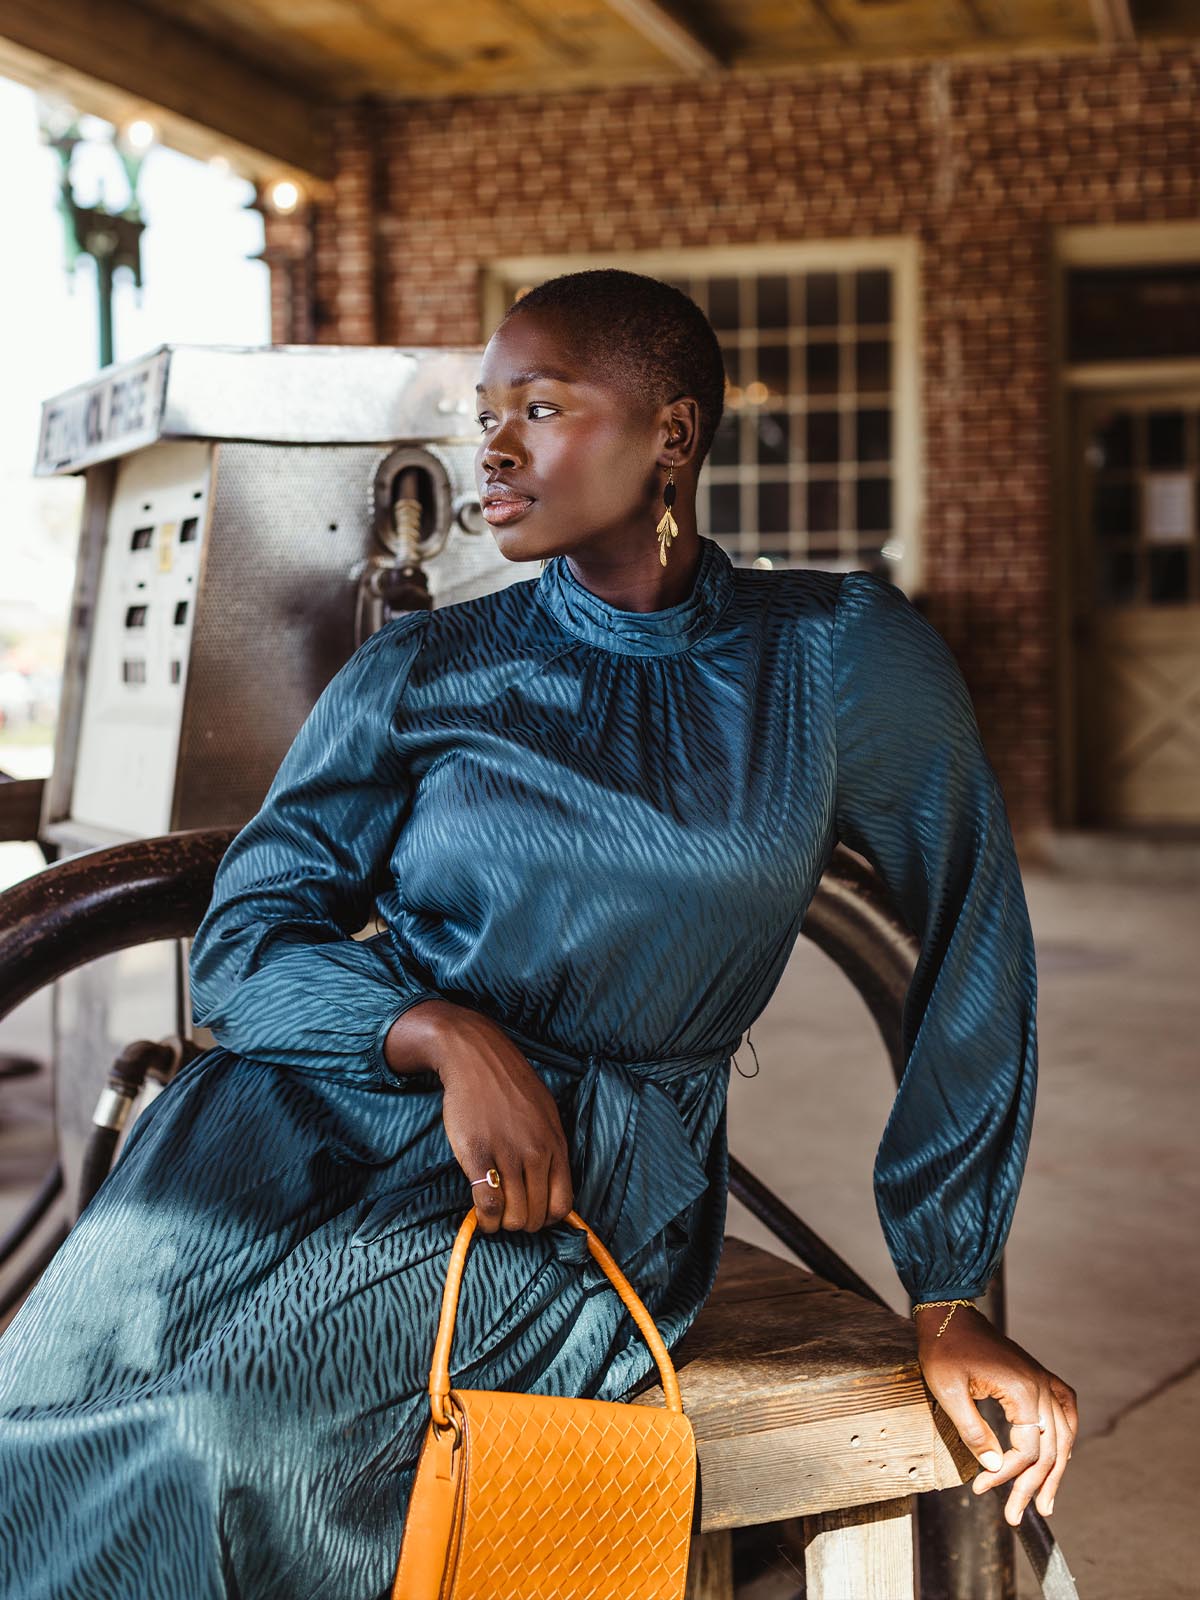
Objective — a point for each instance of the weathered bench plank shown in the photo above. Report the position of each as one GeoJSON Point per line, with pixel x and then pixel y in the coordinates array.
{"type": "Point", "coordinates": [860, 1552]}
{"type": "Point", "coordinates": [804, 1398]}
{"type": "Point", "coordinates": [710, 1567]}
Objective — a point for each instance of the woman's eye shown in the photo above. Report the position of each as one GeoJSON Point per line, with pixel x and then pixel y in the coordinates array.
{"type": "Point", "coordinates": [536, 411]}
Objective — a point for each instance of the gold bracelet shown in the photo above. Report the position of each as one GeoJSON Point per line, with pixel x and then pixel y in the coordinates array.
{"type": "Point", "coordinates": [953, 1304]}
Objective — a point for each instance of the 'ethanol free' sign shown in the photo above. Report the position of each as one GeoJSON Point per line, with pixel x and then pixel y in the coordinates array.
{"type": "Point", "coordinates": [115, 413]}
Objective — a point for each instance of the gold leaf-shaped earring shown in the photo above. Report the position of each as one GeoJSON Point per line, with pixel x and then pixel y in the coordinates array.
{"type": "Point", "coordinates": [667, 528]}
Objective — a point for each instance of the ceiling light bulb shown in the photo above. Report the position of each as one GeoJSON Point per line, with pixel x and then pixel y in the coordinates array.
{"type": "Point", "coordinates": [140, 134]}
{"type": "Point", "coordinates": [284, 196]}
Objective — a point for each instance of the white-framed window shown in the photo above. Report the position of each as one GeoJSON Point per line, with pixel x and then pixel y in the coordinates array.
{"type": "Point", "coordinates": [816, 462]}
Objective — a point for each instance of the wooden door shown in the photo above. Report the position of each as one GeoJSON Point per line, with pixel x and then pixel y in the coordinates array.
{"type": "Point", "coordinates": [1137, 607]}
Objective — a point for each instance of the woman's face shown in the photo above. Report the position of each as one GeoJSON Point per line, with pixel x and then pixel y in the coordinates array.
{"type": "Point", "coordinates": [568, 461]}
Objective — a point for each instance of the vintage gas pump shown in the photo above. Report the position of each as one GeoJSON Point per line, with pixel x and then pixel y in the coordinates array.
{"type": "Point", "coordinates": [250, 517]}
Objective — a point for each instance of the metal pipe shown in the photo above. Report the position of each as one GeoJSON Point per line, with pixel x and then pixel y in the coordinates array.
{"type": "Point", "coordinates": [791, 1231]}
{"type": "Point", "coordinates": [125, 1081]}
{"type": "Point", "coordinates": [47, 1193]}
{"type": "Point", "coordinates": [16, 1291]}
{"type": "Point", "coordinates": [100, 901]}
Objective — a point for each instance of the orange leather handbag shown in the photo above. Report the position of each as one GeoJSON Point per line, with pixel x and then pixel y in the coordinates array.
{"type": "Point", "coordinates": [533, 1497]}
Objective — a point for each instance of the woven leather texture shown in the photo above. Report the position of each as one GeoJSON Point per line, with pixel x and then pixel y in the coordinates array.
{"type": "Point", "coordinates": [537, 1497]}
{"type": "Point", "coordinates": [565, 1499]}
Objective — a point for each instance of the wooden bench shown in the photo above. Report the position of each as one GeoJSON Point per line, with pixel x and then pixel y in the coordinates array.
{"type": "Point", "coordinates": [807, 1402]}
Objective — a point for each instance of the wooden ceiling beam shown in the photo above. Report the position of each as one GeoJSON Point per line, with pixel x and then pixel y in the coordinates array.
{"type": "Point", "coordinates": [667, 33]}
{"type": "Point", "coordinates": [164, 63]}
{"type": "Point", "coordinates": [1114, 23]}
{"type": "Point", "coordinates": [979, 23]}
{"type": "Point", "coordinates": [837, 25]}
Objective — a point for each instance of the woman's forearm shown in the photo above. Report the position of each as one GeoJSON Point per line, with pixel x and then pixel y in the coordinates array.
{"type": "Point", "coordinates": [277, 972]}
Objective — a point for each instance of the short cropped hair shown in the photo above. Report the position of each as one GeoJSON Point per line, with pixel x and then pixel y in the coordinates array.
{"type": "Point", "coordinates": [649, 336]}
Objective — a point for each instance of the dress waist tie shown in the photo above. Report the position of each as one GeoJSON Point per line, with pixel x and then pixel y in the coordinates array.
{"type": "Point", "coordinates": [632, 1160]}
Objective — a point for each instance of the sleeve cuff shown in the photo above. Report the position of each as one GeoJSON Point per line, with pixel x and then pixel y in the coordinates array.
{"type": "Point", "coordinates": [381, 1073]}
{"type": "Point", "coordinates": [970, 1291]}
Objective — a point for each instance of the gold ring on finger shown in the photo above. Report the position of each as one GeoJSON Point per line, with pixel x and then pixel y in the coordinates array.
{"type": "Point", "coordinates": [491, 1178]}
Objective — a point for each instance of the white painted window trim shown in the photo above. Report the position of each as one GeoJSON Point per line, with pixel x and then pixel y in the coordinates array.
{"type": "Point", "coordinates": [898, 252]}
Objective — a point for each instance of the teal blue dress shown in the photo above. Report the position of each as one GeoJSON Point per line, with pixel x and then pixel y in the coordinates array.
{"type": "Point", "coordinates": [601, 829]}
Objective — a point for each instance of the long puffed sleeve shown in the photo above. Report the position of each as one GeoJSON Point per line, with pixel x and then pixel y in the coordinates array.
{"type": "Point", "coordinates": [275, 973]}
{"type": "Point", "coordinates": [918, 798]}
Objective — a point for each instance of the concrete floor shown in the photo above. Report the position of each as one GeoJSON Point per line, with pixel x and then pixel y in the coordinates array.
{"type": "Point", "coordinates": [1103, 1270]}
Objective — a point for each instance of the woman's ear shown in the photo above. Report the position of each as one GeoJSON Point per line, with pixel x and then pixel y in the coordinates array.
{"type": "Point", "coordinates": [680, 423]}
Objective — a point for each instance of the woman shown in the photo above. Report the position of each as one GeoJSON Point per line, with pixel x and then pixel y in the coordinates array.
{"type": "Point", "coordinates": [590, 810]}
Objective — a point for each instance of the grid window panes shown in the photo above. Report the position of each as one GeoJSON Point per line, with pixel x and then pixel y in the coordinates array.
{"type": "Point", "coordinates": [803, 468]}
{"type": "Point", "coordinates": [1143, 494]}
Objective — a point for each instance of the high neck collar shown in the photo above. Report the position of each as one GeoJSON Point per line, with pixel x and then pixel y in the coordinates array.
{"type": "Point", "coordinates": [640, 633]}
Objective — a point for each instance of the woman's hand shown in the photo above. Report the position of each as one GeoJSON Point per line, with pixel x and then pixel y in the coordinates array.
{"type": "Point", "coordinates": [972, 1360]}
{"type": "Point", "coordinates": [497, 1112]}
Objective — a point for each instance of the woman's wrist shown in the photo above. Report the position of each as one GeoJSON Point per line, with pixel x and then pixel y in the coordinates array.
{"type": "Point", "coordinates": [935, 1317]}
{"type": "Point", "coordinates": [412, 1040]}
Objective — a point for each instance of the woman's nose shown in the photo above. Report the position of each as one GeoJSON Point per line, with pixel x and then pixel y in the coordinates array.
{"type": "Point", "coordinates": [502, 450]}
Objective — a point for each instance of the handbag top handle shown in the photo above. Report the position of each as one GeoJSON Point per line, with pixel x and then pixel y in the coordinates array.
{"type": "Point", "coordinates": [439, 1373]}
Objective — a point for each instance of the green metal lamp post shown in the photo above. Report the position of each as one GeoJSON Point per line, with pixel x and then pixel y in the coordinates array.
{"type": "Point", "coordinates": [111, 238]}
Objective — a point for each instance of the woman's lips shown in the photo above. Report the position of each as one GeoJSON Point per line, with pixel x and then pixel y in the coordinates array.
{"type": "Point", "coordinates": [503, 509]}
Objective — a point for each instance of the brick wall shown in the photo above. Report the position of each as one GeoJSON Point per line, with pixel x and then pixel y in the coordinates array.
{"type": "Point", "coordinates": [978, 159]}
